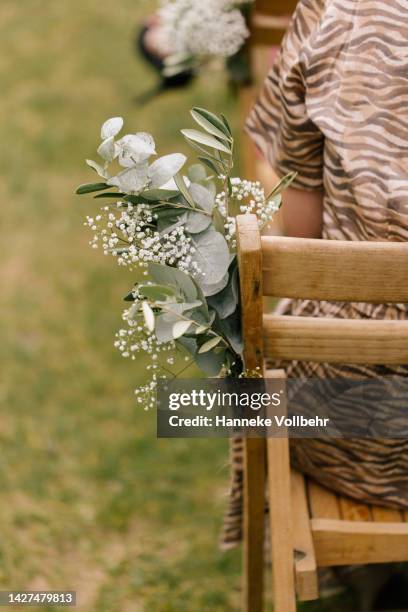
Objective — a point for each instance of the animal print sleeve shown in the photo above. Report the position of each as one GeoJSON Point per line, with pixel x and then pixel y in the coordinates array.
{"type": "Point", "coordinates": [279, 123]}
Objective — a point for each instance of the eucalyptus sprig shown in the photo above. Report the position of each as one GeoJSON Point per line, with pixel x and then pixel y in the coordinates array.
{"type": "Point", "coordinates": [178, 225]}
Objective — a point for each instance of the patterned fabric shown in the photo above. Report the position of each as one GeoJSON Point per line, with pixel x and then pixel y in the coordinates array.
{"type": "Point", "coordinates": [334, 108]}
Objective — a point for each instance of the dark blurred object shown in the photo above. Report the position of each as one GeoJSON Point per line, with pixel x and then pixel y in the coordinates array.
{"type": "Point", "coordinates": [179, 80]}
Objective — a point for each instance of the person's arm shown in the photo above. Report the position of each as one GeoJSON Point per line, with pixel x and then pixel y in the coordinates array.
{"type": "Point", "coordinates": [302, 213]}
{"type": "Point", "coordinates": [286, 135]}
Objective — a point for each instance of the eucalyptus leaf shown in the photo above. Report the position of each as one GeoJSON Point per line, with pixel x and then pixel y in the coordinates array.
{"type": "Point", "coordinates": [224, 302]}
{"type": "Point", "coordinates": [133, 311]}
{"type": "Point", "coordinates": [213, 120]}
{"type": "Point", "coordinates": [189, 344]}
{"type": "Point", "coordinates": [235, 284]}
{"type": "Point", "coordinates": [207, 154]}
{"type": "Point", "coordinates": [133, 199]}
{"type": "Point", "coordinates": [179, 180]}
{"type": "Point", "coordinates": [164, 327]}
{"type": "Point", "coordinates": [282, 185]}
{"type": "Point", "coordinates": [206, 139]}
{"type": "Point", "coordinates": [180, 328]}
{"type": "Point", "coordinates": [208, 317]}
{"type": "Point", "coordinates": [98, 168]}
{"type": "Point", "coordinates": [135, 149]}
{"type": "Point", "coordinates": [209, 127]}
{"type": "Point", "coordinates": [210, 344]}
{"type": "Point", "coordinates": [172, 310]}
{"type": "Point", "coordinates": [218, 221]}
{"type": "Point", "coordinates": [196, 173]}
{"type": "Point", "coordinates": [169, 228]}
{"type": "Point", "coordinates": [211, 257]}
{"type": "Point", "coordinates": [91, 187]}
{"type": "Point", "coordinates": [107, 149]}
{"type": "Point", "coordinates": [148, 316]}
{"type": "Point", "coordinates": [169, 217]}
{"type": "Point", "coordinates": [212, 289]}
{"type": "Point", "coordinates": [109, 194]}
{"type": "Point", "coordinates": [155, 195]}
{"type": "Point", "coordinates": [211, 165]}
{"type": "Point", "coordinates": [111, 127]}
{"type": "Point", "coordinates": [231, 329]}
{"type": "Point", "coordinates": [211, 187]}
{"type": "Point", "coordinates": [210, 363]}
{"type": "Point", "coordinates": [156, 292]}
{"type": "Point", "coordinates": [132, 179]}
{"type": "Point", "coordinates": [202, 196]}
{"type": "Point", "coordinates": [165, 168]}
{"type": "Point", "coordinates": [165, 275]}
{"type": "Point", "coordinates": [197, 222]}
{"type": "Point", "coordinates": [191, 305]}
{"type": "Point", "coordinates": [226, 124]}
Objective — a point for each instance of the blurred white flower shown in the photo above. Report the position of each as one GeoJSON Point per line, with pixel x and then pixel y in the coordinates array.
{"type": "Point", "coordinates": [212, 27]}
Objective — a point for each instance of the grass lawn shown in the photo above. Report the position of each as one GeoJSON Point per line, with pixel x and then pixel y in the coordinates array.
{"type": "Point", "coordinates": [89, 499]}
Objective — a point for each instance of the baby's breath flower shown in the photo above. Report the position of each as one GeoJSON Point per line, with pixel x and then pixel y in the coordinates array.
{"type": "Point", "coordinates": [212, 27]}
{"type": "Point", "coordinates": [250, 196]}
{"type": "Point", "coordinates": [135, 340]}
{"type": "Point", "coordinates": [128, 233]}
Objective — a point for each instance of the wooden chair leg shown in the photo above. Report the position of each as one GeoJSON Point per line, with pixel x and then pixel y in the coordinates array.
{"type": "Point", "coordinates": [254, 523]}
{"type": "Point", "coordinates": [283, 582]}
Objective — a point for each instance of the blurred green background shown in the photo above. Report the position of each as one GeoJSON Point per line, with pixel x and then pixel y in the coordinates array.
{"type": "Point", "coordinates": [89, 499]}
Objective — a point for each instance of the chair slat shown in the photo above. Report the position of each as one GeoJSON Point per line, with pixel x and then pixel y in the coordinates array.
{"type": "Point", "coordinates": [355, 542]}
{"type": "Point", "coordinates": [336, 340]}
{"type": "Point", "coordinates": [354, 511]}
{"type": "Point", "coordinates": [335, 270]}
{"type": "Point", "coordinates": [386, 515]}
{"type": "Point", "coordinates": [323, 503]}
{"type": "Point", "coordinates": [250, 265]}
{"type": "Point", "coordinates": [305, 561]}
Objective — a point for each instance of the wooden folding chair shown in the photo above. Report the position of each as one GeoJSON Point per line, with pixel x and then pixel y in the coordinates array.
{"type": "Point", "coordinates": [310, 526]}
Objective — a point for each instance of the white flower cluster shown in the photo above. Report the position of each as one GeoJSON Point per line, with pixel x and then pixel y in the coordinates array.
{"type": "Point", "coordinates": [251, 199]}
{"type": "Point", "coordinates": [126, 232]}
{"type": "Point", "coordinates": [137, 339]}
{"type": "Point", "coordinates": [203, 28]}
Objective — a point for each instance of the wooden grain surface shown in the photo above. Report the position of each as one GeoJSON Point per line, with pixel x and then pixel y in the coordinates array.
{"type": "Point", "coordinates": [336, 340]}
{"type": "Point", "coordinates": [355, 542]}
{"type": "Point", "coordinates": [323, 503]}
{"type": "Point", "coordinates": [305, 566]}
{"type": "Point", "coordinates": [250, 272]}
{"type": "Point", "coordinates": [335, 269]}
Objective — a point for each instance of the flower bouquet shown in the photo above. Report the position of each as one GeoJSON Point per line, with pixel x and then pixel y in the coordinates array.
{"type": "Point", "coordinates": [194, 31]}
{"type": "Point", "coordinates": [177, 223]}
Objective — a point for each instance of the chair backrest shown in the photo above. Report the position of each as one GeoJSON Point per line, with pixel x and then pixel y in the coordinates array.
{"type": "Point", "coordinates": [374, 272]}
